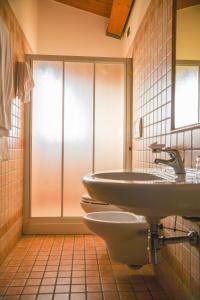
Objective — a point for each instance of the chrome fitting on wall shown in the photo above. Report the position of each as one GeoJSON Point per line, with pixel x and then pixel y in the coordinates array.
{"type": "Point", "coordinates": [157, 241]}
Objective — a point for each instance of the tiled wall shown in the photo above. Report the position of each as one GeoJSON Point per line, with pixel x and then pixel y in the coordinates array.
{"type": "Point", "coordinates": [179, 270]}
{"type": "Point", "coordinates": [11, 171]}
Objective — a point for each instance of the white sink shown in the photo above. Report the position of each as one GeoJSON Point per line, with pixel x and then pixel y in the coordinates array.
{"type": "Point", "coordinates": [151, 193]}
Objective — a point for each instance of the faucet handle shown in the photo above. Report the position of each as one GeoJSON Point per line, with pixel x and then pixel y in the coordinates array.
{"type": "Point", "coordinates": [173, 152]}
{"type": "Point", "coordinates": [156, 148]}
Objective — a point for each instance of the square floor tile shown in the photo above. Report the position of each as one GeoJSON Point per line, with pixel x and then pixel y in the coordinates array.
{"type": "Point", "coordinates": [78, 296]}
{"type": "Point", "coordinates": [46, 289]}
{"type": "Point", "coordinates": [63, 280]}
{"type": "Point", "coordinates": [72, 267]}
{"type": "Point", "coordinates": [28, 297]}
{"type": "Point", "coordinates": [33, 281]}
{"type": "Point", "coordinates": [61, 297]}
{"type": "Point", "coordinates": [45, 297]}
{"type": "Point", "coordinates": [48, 281]}
{"type": "Point", "coordinates": [30, 290]}
{"type": "Point", "coordinates": [62, 288]}
{"type": "Point", "coordinates": [93, 288]}
{"type": "Point", "coordinates": [94, 296]}
{"type": "Point", "coordinates": [14, 291]}
{"type": "Point", "coordinates": [77, 288]}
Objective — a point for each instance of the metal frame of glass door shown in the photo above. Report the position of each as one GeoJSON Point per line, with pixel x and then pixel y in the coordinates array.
{"type": "Point", "coordinates": [62, 224]}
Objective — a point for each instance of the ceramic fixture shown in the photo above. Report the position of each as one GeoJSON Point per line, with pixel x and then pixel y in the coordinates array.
{"type": "Point", "coordinates": [124, 233]}
{"type": "Point", "coordinates": [109, 222]}
{"type": "Point", "coordinates": [152, 193]}
{"type": "Point", "coordinates": [91, 205]}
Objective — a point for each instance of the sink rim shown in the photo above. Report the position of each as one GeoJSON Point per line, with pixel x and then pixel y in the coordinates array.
{"type": "Point", "coordinates": [155, 177]}
{"type": "Point", "coordinates": [93, 177]}
{"type": "Point", "coordinates": [172, 186]}
{"type": "Point", "coordinates": [165, 177]}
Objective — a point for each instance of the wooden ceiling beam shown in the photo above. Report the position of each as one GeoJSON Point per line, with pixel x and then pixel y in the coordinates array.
{"type": "Point", "coordinates": [98, 7]}
{"type": "Point", "coordinates": [186, 3]}
{"type": "Point", "coordinates": [118, 18]}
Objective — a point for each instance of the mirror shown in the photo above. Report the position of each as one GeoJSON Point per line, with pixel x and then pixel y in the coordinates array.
{"type": "Point", "coordinates": [187, 67]}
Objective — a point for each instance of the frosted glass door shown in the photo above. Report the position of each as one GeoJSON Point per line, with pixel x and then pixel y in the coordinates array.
{"type": "Point", "coordinates": [77, 127]}
{"type": "Point", "coordinates": [109, 116]}
{"type": "Point", "coordinates": [46, 139]}
{"type": "Point", "coordinates": [78, 133]}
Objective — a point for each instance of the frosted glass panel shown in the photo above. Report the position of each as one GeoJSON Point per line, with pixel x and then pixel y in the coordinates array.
{"type": "Point", "coordinates": [78, 133]}
{"type": "Point", "coordinates": [186, 95]}
{"type": "Point", "coordinates": [109, 116]}
{"type": "Point", "coordinates": [46, 139]}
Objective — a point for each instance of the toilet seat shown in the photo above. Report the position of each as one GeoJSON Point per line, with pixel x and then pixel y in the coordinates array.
{"type": "Point", "coordinates": [87, 199]}
{"type": "Point", "coordinates": [89, 205]}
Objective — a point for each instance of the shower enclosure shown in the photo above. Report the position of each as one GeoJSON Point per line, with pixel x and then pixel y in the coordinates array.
{"type": "Point", "coordinates": [77, 122]}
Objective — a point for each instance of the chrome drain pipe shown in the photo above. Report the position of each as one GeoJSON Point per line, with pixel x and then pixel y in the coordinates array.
{"type": "Point", "coordinates": [192, 237]}
{"type": "Point", "coordinates": [153, 243]}
{"type": "Point", "coordinates": [157, 241]}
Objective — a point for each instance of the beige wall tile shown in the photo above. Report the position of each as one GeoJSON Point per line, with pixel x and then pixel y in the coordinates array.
{"type": "Point", "coordinates": [152, 92]}
{"type": "Point", "coordinates": [11, 171]}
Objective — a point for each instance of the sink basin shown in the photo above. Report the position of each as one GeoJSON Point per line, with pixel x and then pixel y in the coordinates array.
{"type": "Point", "coordinates": [128, 176]}
{"type": "Point", "coordinates": [151, 193]}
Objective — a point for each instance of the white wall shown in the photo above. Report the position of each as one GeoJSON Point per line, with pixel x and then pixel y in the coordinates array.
{"type": "Point", "coordinates": [135, 19]}
{"type": "Point", "coordinates": [54, 28]}
{"type": "Point", "coordinates": [64, 30]}
{"type": "Point", "coordinates": [188, 33]}
{"type": "Point", "coordinates": [26, 14]}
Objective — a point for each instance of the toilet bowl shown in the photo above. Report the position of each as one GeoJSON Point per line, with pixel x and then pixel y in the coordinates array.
{"type": "Point", "coordinates": [91, 205]}
{"type": "Point", "coordinates": [124, 233]}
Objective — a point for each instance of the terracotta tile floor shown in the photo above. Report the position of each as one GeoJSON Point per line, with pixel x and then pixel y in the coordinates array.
{"type": "Point", "coordinates": [71, 267]}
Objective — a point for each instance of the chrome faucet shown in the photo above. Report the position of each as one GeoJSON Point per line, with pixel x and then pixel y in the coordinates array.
{"type": "Point", "coordinates": [175, 160]}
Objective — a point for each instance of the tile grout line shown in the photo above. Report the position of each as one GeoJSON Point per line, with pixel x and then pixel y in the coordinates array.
{"type": "Point", "coordinates": [96, 252]}
{"type": "Point", "coordinates": [77, 248]}
{"type": "Point", "coordinates": [70, 287]}
{"type": "Point", "coordinates": [85, 267]}
{"type": "Point", "coordinates": [39, 250]}
{"type": "Point", "coordinates": [22, 261]}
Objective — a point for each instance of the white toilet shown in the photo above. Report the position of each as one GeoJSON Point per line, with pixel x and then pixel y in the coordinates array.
{"type": "Point", "coordinates": [124, 233]}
